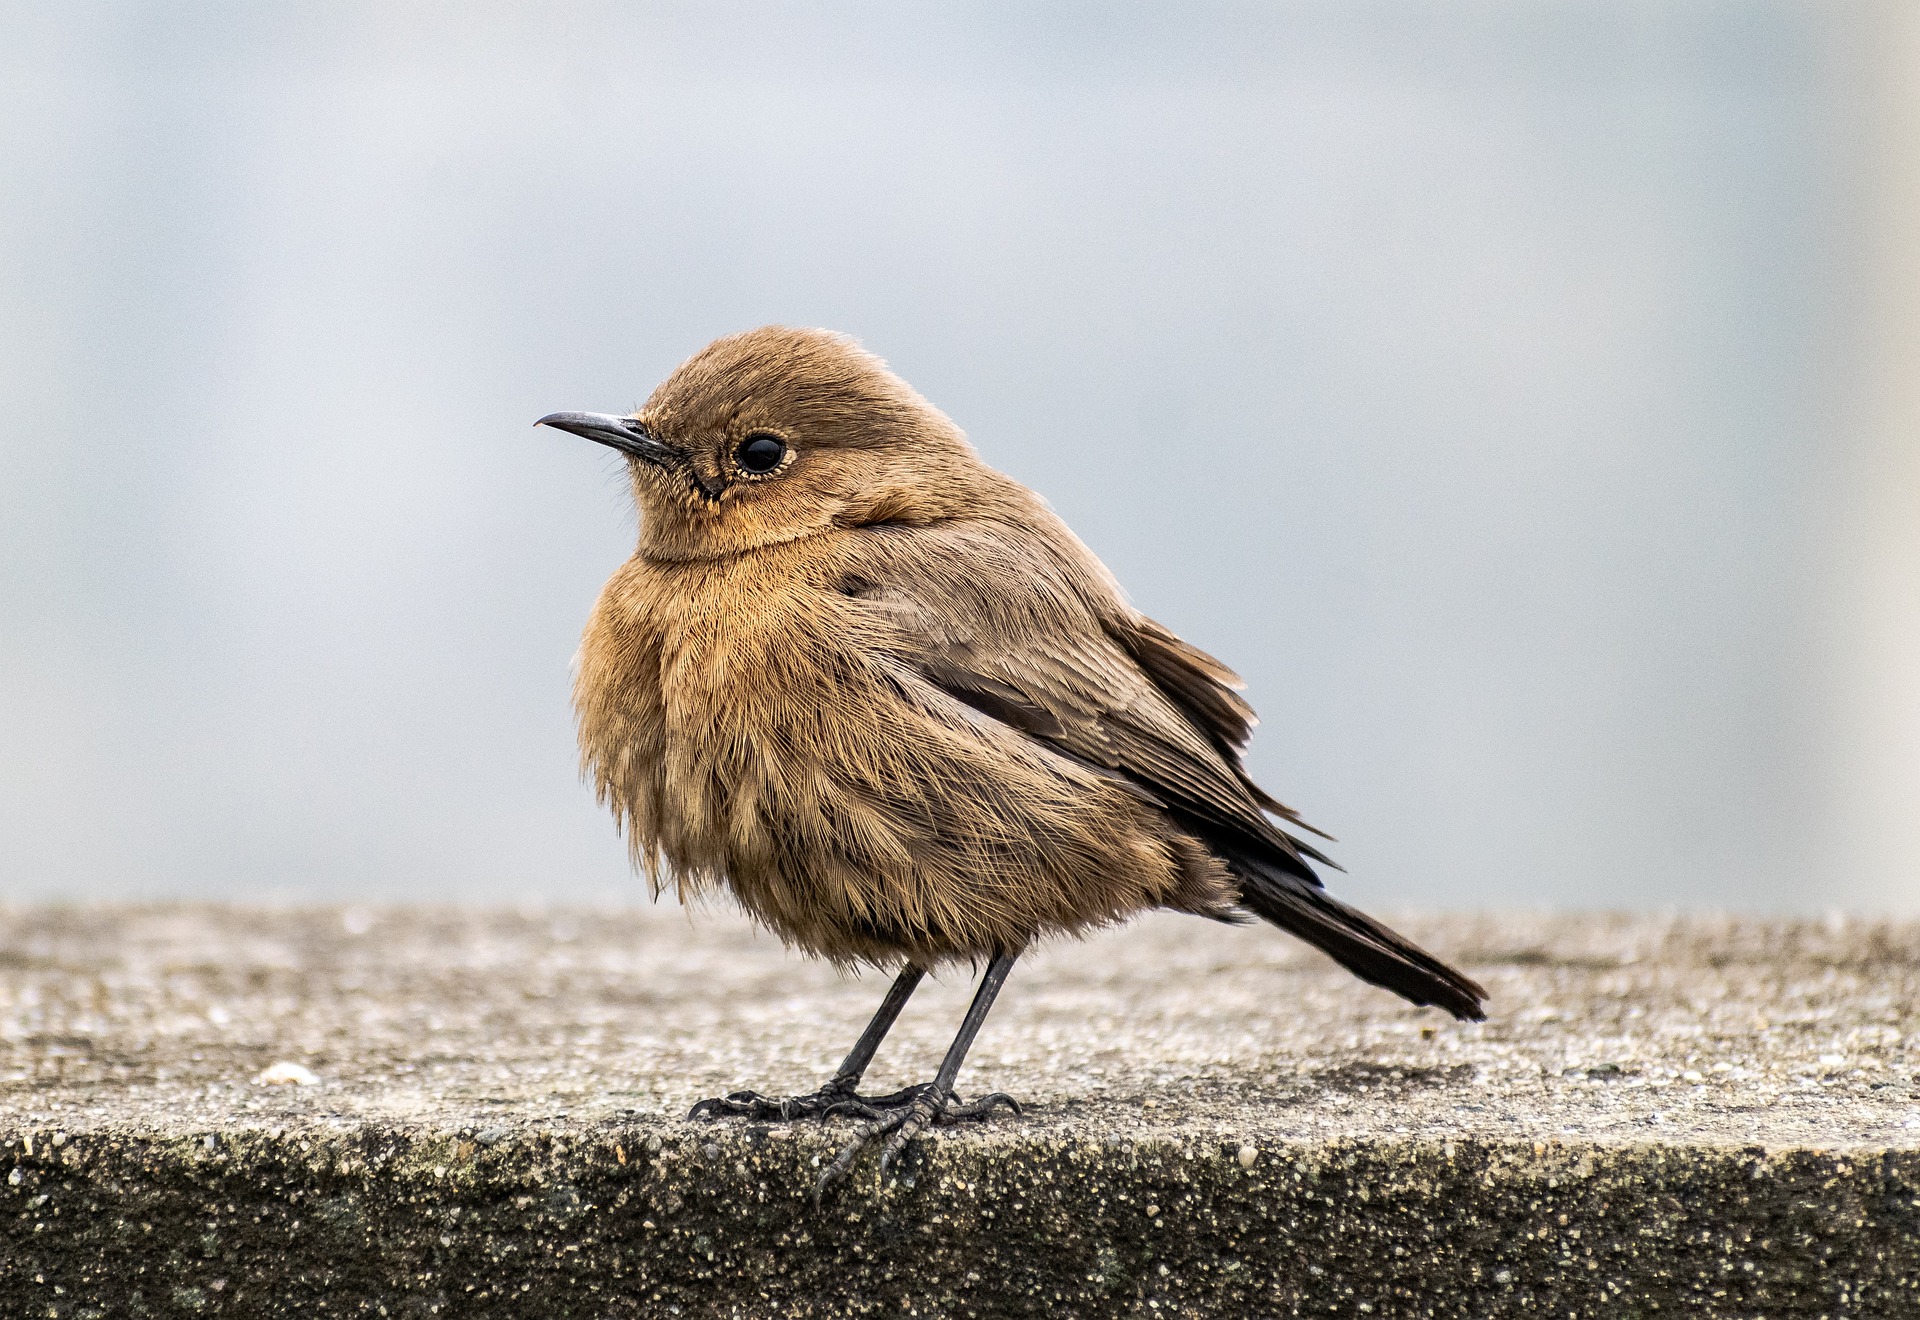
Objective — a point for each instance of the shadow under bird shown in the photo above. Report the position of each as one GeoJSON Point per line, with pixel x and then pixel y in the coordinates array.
{"type": "Point", "coordinates": [882, 694]}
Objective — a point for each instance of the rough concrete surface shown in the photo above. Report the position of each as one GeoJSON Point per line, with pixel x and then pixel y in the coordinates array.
{"type": "Point", "coordinates": [1664, 1116]}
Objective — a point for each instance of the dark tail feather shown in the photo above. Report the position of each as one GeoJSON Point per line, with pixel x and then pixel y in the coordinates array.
{"type": "Point", "coordinates": [1354, 940]}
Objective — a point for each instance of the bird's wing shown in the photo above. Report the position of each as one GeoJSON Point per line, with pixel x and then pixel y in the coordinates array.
{"type": "Point", "coordinates": [1018, 626]}
{"type": "Point", "coordinates": [1003, 623]}
{"type": "Point", "coordinates": [1208, 694]}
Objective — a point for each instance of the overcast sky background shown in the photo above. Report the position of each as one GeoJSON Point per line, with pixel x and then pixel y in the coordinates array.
{"type": "Point", "coordinates": [1464, 374]}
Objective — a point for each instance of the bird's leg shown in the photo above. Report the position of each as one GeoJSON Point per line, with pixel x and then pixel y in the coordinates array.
{"type": "Point", "coordinates": [933, 1102]}
{"type": "Point", "coordinates": [841, 1089]}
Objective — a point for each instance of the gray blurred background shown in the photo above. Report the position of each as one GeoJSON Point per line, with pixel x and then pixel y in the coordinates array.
{"type": "Point", "coordinates": [1520, 395]}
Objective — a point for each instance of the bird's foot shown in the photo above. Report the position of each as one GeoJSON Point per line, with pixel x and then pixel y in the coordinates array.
{"type": "Point", "coordinates": [918, 1108]}
{"type": "Point", "coordinates": [833, 1098]}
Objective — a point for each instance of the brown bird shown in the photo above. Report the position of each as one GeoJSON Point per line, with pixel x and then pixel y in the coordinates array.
{"type": "Point", "coordinates": [883, 695]}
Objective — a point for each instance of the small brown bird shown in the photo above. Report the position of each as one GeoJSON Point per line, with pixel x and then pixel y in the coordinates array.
{"type": "Point", "coordinates": [881, 693]}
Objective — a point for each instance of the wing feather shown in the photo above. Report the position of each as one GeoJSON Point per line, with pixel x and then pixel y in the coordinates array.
{"type": "Point", "coordinates": [1024, 644]}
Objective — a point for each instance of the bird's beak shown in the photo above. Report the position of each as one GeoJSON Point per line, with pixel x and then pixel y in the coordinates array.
{"type": "Point", "coordinates": [622, 433]}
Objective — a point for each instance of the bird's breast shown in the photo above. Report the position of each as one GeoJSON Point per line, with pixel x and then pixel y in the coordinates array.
{"type": "Point", "coordinates": [692, 685]}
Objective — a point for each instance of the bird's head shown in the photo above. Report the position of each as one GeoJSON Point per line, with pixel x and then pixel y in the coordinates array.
{"type": "Point", "coordinates": [780, 433]}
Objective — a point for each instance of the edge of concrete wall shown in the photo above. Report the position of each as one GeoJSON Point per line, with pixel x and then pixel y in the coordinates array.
{"type": "Point", "coordinates": [647, 1218]}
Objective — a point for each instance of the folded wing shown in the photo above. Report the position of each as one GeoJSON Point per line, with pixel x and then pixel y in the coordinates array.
{"type": "Point", "coordinates": [1027, 630]}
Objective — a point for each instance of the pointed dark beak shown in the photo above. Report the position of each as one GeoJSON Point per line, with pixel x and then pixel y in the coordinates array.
{"type": "Point", "coordinates": [622, 433]}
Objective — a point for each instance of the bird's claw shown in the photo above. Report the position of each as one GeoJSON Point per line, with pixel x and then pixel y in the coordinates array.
{"type": "Point", "coordinates": [829, 1101]}
{"type": "Point", "coordinates": [768, 1109]}
{"type": "Point", "coordinates": [873, 1107]}
{"type": "Point", "coordinates": [915, 1110]}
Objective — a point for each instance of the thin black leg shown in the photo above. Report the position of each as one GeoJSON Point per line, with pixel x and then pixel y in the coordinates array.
{"type": "Point", "coordinates": [842, 1089]}
{"type": "Point", "coordinates": [970, 1025]}
{"type": "Point", "coordinates": [855, 1066]}
{"type": "Point", "coordinates": [933, 1102]}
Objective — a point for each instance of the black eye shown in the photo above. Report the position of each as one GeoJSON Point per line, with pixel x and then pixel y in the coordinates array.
{"type": "Point", "coordinates": [760, 453]}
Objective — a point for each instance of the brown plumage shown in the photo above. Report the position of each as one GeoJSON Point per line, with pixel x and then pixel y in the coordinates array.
{"type": "Point", "coordinates": [884, 696]}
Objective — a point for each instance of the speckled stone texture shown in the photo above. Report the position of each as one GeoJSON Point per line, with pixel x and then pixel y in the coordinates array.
{"type": "Point", "coordinates": [1665, 1116]}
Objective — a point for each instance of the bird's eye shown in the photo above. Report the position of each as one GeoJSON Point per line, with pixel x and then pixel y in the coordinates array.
{"type": "Point", "coordinates": [760, 453]}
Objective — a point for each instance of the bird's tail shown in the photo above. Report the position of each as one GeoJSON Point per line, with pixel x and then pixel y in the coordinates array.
{"type": "Point", "coordinates": [1351, 938]}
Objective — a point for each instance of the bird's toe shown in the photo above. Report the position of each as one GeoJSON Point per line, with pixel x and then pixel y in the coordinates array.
{"type": "Point", "coordinates": [911, 1124]}
{"type": "Point", "coordinates": [912, 1111]}
{"type": "Point", "coordinates": [981, 1108]}
{"type": "Point", "coordinates": [761, 1108]}
{"type": "Point", "coordinates": [842, 1164]}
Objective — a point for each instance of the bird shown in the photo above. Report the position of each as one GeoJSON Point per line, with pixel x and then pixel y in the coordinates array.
{"type": "Point", "coordinates": [881, 694]}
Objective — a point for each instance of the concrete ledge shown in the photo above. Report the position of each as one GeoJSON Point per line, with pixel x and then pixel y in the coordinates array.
{"type": "Point", "coordinates": [1699, 1117]}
